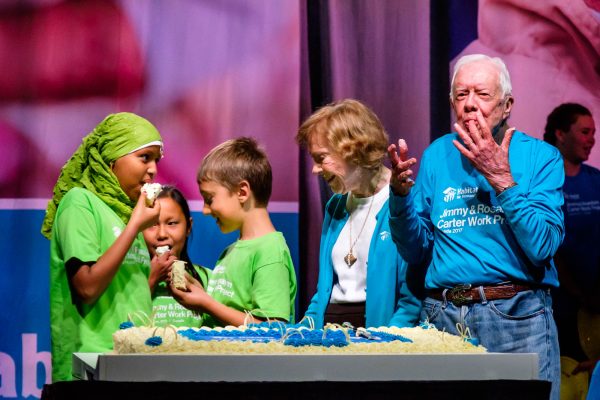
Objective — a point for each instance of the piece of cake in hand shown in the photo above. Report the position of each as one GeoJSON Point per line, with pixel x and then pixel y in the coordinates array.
{"type": "Point", "coordinates": [178, 275]}
{"type": "Point", "coordinates": [151, 190]}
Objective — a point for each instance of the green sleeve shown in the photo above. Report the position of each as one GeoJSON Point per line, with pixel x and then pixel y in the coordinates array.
{"type": "Point", "coordinates": [78, 234]}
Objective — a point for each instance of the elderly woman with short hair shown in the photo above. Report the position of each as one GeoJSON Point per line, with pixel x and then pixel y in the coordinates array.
{"type": "Point", "coordinates": [362, 278]}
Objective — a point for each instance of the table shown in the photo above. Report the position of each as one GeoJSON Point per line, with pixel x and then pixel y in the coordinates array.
{"type": "Point", "coordinates": [377, 376]}
{"type": "Point", "coordinates": [380, 390]}
{"type": "Point", "coordinates": [304, 367]}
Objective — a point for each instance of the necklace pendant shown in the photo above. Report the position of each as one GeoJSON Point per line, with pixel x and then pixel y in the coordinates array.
{"type": "Point", "coordinates": [350, 259]}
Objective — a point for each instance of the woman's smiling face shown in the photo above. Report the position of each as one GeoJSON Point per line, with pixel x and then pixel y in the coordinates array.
{"type": "Point", "coordinates": [333, 168]}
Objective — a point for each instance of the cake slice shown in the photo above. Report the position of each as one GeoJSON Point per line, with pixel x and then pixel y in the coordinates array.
{"type": "Point", "coordinates": [151, 190]}
{"type": "Point", "coordinates": [178, 275]}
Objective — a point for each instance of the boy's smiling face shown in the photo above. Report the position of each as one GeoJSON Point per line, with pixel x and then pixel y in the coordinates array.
{"type": "Point", "coordinates": [223, 205]}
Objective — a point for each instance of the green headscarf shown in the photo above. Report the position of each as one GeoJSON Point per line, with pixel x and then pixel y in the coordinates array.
{"type": "Point", "coordinates": [90, 166]}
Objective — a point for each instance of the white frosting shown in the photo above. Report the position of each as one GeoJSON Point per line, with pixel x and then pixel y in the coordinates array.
{"type": "Point", "coordinates": [430, 341]}
{"type": "Point", "coordinates": [160, 250]}
{"type": "Point", "coordinates": [151, 190]}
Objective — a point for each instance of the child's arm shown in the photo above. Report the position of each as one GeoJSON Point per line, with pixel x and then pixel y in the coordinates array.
{"type": "Point", "coordinates": [197, 299]}
{"type": "Point", "coordinates": [90, 283]}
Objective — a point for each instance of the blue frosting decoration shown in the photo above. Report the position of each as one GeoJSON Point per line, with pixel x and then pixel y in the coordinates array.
{"type": "Point", "coordinates": [331, 338]}
{"type": "Point", "coordinates": [248, 335]}
{"type": "Point", "coordinates": [277, 325]}
{"type": "Point", "coordinates": [387, 337]}
{"type": "Point", "coordinates": [292, 336]}
{"type": "Point", "coordinates": [473, 341]}
{"type": "Point", "coordinates": [426, 325]}
{"type": "Point", "coordinates": [126, 325]}
{"type": "Point", "coordinates": [154, 341]}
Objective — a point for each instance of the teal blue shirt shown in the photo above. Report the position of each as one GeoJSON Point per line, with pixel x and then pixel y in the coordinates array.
{"type": "Point", "coordinates": [453, 223]}
{"type": "Point", "coordinates": [389, 301]}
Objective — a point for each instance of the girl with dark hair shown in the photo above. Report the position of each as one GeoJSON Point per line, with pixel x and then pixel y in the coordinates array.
{"type": "Point", "coordinates": [171, 232]}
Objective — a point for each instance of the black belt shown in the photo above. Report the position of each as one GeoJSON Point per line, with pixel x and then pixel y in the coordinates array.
{"type": "Point", "coordinates": [466, 294]}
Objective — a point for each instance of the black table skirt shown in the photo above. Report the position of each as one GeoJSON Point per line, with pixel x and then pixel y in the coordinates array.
{"type": "Point", "coordinates": [418, 390]}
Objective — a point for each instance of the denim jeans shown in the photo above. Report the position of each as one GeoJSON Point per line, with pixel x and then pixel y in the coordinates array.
{"type": "Point", "coordinates": [521, 324]}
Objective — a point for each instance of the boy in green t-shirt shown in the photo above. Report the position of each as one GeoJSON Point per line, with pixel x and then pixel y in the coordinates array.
{"type": "Point", "coordinates": [254, 278]}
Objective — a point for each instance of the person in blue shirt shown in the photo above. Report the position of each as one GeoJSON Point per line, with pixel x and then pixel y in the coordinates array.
{"type": "Point", "coordinates": [484, 218]}
{"type": "Point", "coordinates": [571, 128]}
{"type": "Point", "coordinates": [361, 275]}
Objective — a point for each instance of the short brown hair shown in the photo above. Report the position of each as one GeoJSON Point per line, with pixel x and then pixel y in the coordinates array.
{"type": "Point", "coordinates": [351, 129]}
{"type": "Point", "coordinates": [237, 160]}
{"type": "Point", "coordinates": [561, 118]}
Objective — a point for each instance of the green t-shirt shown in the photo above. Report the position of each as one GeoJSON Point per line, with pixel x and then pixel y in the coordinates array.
{"type": "Point", "coordinates": [84, 228]}
{"type": "Point", "coordinates": [255, 275]}
{"type": "Point", "coordinates": [167, 311]}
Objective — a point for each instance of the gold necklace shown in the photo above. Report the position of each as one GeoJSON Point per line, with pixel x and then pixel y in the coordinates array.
{"type": "Point", "coordinates": [350, 258]}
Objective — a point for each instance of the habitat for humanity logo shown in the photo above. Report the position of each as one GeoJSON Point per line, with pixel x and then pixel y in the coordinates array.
{"type": "Point", "coordinates": [451, 193]}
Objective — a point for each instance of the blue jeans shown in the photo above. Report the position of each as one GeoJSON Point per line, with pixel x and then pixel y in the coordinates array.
{"type": "Point", "coordinates": [522, 324]}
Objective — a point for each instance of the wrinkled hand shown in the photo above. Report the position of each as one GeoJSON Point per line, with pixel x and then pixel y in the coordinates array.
{"type": "Point", "coordinates": [401, 180]}
{"type": "Point", "coordinates": [194, 298]}
{"type": "Point", "coordinates": [480, 148]}
{"type": "Point", "coordinates": [143, 216]}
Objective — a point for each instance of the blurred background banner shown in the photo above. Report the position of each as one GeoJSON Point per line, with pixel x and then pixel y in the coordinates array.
{"type": "Point", "coordinates": [201, 71]}
{"type": "Point", "coordinates": [204, 71]}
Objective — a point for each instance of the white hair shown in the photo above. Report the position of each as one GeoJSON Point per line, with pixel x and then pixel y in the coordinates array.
{"type": "Point", "coordinates": [505, 85]}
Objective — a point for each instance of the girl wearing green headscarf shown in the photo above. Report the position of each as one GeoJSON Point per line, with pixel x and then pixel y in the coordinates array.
{"type": "Point", "coordinates": [99, 263]}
